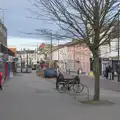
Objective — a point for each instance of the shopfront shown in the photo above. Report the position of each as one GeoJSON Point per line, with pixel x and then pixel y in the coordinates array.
{"type": "Point", "coordinates": [2, 65]}
{"type": "Point", "coordinates": [11, 66]}
{"type": "Point", "coordinates": [6, 58]}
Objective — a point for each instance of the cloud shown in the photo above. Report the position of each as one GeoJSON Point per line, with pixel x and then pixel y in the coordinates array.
{"type": "Point", "coordinates": [28, 43]}
{"type": "Point", "coordinates": [16, 21]}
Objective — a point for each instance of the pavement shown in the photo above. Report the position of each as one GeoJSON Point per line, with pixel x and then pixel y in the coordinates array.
{"type": "Point", "coordinates": [104, 83]}
{"type": "Point", "coordinates": [29, 97]}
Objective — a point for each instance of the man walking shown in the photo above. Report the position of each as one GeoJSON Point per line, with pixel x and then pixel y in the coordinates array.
{"type": "Point", "coordinates": [109, 72]}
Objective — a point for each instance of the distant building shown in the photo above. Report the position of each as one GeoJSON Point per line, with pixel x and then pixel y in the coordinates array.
{"type": "Point", "coordinates": [73, 55]}
{"type": "Point", "coordinates": [79, 56]}
{"type": "Point", "coordinates": [28, 56]}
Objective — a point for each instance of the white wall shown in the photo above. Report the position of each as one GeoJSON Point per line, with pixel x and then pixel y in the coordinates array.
{"type": "Point", "coordinates": [60, 54]}
{"type": "Point", "coordinates": [110, 51]}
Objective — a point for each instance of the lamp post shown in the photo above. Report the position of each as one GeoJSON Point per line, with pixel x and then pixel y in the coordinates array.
{"type": "Point", "coordinates": [51, 45]}
{"type": "Point", "coordinates": [118, 45]}
{"type": "Point", "coordinates": [3, 14]}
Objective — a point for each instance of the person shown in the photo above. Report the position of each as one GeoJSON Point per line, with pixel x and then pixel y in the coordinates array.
{"type": "Point", "coordinates": [109, 72]}
{"type": "Point", "coordinates": [37, 67]}
{"type": "Point", "coordinates": [0, 81]}
{"type": "Point", "coordinates": [43, 66]}
{"type": "Point", "coordinates": [59, 78]}
{"type": "Point", "coordinates": [106, 72]}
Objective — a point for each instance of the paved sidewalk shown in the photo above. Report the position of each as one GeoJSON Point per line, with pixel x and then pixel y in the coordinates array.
{"type": "Point", "coordinates": [104, 83]}
{"type": "Point", "coordinates": [30, 97]}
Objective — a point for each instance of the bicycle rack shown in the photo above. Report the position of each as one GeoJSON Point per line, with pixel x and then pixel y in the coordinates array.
{"type": "Point", "coordinates": [87, 90]}
{"type": "Point", "coordinates": [88, 96]}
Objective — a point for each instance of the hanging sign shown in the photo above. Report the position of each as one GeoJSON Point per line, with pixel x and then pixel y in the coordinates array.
{"type": "Point", "coordinates": [5, 57]}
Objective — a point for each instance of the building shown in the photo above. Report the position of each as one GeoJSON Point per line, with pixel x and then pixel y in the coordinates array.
{"type": "Point", "coordinates": [6, 55]}
{"type": "Point", "coordinates": [3, 34]}
{"type": "Point", "coordinates": [73, 55]}
{"type": "Point", "coordinates": [29, 57]}
{"type": "Point", "coordinates": [109, 52]}
{"type": "Point", "coordinates": [79, 56]}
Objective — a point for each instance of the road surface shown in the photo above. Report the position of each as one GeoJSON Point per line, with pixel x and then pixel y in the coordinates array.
{"type": "Point", "coordinates": [29, 97]}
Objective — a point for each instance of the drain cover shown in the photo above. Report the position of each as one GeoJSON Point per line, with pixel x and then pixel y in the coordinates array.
{"type": "Point", "coordinates": [5, 85]}
{"type": "Point", "coordinates": [42, 91]}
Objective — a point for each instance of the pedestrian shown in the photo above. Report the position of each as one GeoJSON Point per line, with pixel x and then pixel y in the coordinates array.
{"type": "Point", "coordinates": [106, 72]}
{"type": "Point", "coordinates": [109, 72]}
{"type": "Point", "coordinates": [43, 66]}
{"type": "Point", "coordinates": [59, 78]}
{"type": "Point", "coordinates": [0, 81]}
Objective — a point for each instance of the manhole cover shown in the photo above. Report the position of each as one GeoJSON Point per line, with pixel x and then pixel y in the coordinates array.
{"type": "Point", "coordinates": [35, 82]}
{"type": "Point", "coordinates": [42, 91]}
{"type": "Point", "coordinates": [5, 85]}
{"type": "Point", "coordinates": [19, 75]}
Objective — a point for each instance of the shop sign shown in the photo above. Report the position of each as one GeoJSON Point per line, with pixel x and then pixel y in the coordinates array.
{"type": "Point", "coordinates": [15, 59]}
{"type": "Point", "coordinates": [5, 57]}
{"type": "Point", "coordinates": [1, 60]}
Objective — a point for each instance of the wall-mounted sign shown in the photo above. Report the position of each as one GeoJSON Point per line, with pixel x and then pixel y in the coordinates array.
{"type": "Point", "coordinates": [5, 57]}
{"type": "Point", "coordinates": [15, 59]}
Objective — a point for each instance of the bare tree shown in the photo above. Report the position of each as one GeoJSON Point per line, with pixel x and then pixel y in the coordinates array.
{"type": "Point", "coordinates": [88, 20]}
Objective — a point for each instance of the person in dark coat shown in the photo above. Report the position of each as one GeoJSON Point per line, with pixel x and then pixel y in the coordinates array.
{"type": "Point", "coordinates": [106, 72]}
{"type": "Point", "coordinates": [59, 78]}
{"type": "Point", "coordinates": [110, 72]}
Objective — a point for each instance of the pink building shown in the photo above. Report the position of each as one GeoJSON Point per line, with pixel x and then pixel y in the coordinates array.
{"type": "Point", "coordinates": [80, 54]}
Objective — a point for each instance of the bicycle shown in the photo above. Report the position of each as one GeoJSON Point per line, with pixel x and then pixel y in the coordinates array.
{"type": "Point", "coordinates": [67, 84]}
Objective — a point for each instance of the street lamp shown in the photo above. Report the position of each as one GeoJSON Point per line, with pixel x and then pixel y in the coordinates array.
{"type": "Point", "coordinates": [3, 14]}
{"type": "Point", "coordinates": [118, 43]}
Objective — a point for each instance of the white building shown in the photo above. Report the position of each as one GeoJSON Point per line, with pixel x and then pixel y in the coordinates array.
{"type": "Point", "coordinates": [60, 54]}
{"type": "Point", "coordinates": [29, 56]}
{"type": "Point", "coordinates": [111, 50]}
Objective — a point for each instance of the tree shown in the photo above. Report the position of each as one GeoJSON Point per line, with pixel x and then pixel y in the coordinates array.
{"type": "Point", "coordinates": [44, 50]}
{"type": "Point", "coordinates": [87, 20]}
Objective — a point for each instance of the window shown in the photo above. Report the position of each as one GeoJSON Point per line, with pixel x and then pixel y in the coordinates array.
{"type": "Point", "coordinates": [1, 67]}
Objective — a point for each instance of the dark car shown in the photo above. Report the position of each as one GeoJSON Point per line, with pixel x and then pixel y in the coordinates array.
{"type": "Point", "coordinates": [50, 73]}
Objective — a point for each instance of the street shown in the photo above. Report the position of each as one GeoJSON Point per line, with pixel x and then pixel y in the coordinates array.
{"type": "Point", "coordinates": [30, 97]}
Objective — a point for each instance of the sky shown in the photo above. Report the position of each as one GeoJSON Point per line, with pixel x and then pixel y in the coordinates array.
{"type": "Point", "coordinates": [17, 22]}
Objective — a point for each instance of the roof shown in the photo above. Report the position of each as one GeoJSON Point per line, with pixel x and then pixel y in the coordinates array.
{"type": "Point", "coordinates": [26, 51]}
{"type": "Point", "coordinates": [67, 44]}
{"type": "Point", "coordinates": [74, 43]}
{"type": "Point", "coordinates": [42, 46]}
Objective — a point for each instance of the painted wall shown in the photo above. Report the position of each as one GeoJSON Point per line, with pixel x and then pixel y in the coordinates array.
{"type": "Point", "coordinates": [81, 53]}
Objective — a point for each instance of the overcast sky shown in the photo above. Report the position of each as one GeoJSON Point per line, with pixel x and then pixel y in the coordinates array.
{"type": "Point", "coordinates": [16, 21]}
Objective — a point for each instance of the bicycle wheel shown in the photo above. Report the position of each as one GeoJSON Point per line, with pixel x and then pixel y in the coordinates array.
{"type": "Point", "coordinates": [61, 87]}
{"type": "Point", "coordinates": [70, 85]}
{"type": "Point", "coordinates": [78, 88]}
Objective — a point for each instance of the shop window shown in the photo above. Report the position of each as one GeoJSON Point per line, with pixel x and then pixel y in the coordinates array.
{"type": "Point", "coordinates": [1, 66]}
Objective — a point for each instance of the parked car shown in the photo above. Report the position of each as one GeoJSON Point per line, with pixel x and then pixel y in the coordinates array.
{"type": "Point", "coordinates": [50, 73]}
